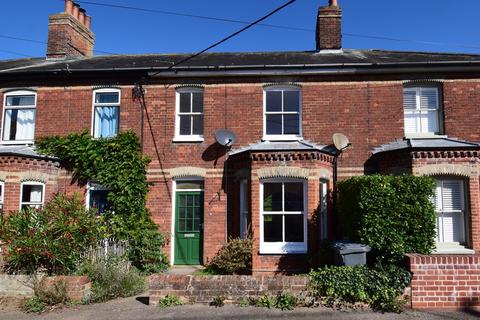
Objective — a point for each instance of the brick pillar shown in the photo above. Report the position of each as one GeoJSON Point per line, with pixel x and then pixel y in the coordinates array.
{"type": "Point", "coordinates": [255, 208]}
{"type": "Point", "coordinates": [474, 214]}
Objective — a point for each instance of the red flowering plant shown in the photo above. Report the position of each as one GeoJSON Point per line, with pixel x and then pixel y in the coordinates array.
{"type": "Point", "coordinates": [50, 239]}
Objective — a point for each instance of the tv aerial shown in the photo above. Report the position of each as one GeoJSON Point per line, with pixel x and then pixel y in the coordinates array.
{"type": "Point", "coordinates": [340, 141]}
{"type": "Point", "coordinates": [225, 137]}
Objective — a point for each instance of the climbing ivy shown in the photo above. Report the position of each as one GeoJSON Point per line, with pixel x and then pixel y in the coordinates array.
{"type": "Point", "coordinates": [118, 164]}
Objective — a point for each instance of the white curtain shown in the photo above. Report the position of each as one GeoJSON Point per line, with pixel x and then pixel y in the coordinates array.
{"type": "Point", "coordinates": [106, 122]}
{"type": "Point", "coordinates": [25, 124]}
{"type": "Point", "coordinates": [36, 193]}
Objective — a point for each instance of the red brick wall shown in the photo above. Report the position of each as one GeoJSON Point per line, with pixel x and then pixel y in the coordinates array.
{"type": "Point", "coordinates": [445, 281]}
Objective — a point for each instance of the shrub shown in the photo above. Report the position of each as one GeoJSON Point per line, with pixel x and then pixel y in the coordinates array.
{"type": "Point", "coordinates": [112, 278]}
{"type": "Point", "coordinates": [34, 305]}
{"type": "Point", "coordinates": [379, 287]}
{"type": "Point", "coordinates": [49, 239]}
{"type": "Point", "coordinates": [118, 164]}
{"type": "Point", "coordinates": [392, 214]}
{"type": "Point", "coordinates": [218, 301]}
{"type": "Point", "coordinates": [234, 257]}
{"type": "Point", "coordinates": [285, 301]}
{"type": "Point", "coordinates": [170, 300]}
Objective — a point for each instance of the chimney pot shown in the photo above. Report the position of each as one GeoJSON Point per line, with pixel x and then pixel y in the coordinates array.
{"type": "Point", "coordinates": [88, 22]}
{"type": "Point", "coordinates": [81, 16]}
{"type": "Point", "coordinates": [75, 10]}
{"type": "Point", "coordinates": [333, 3]}
{"type": "Point", "coordinates": [68, 6]}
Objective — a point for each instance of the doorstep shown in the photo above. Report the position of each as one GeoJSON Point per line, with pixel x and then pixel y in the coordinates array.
{"type": "Point", "coordinates": [184, 270]}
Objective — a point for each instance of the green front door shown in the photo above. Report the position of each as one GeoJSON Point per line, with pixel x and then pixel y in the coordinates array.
{"type": "Point", "coordinates": [188, 227]}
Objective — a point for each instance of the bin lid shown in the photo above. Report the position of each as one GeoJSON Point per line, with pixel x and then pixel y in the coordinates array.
{"type": "Point", "coordinates": [350, 247]}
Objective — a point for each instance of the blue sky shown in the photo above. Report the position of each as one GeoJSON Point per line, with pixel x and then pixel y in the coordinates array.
{"type": "Point", "coordinates": [453, 23]}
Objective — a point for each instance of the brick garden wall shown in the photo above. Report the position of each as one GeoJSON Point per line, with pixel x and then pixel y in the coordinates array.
{"type": "Point", "coordinates": [202, 289]}
{"type": "Point", "coordinates": [445, 281]}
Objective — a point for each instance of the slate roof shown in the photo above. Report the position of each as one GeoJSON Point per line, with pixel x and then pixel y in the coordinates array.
{"type": "Point", "coordinates": [238, 60]}
{"type": "Point", "coordinates": [23, 151]}
{"type": "Point", "coordinates": [426, 143]}
{"type": "Point", "coordinates": [274, 146]}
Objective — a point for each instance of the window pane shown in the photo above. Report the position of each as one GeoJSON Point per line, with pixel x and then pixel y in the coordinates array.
{"type": "Point", "coordinates": [197, 102]}
{"type": "Point", "coordinates": [189, 185]}
{"type": "Point", "coordinates": [197, 125]}
{"type": "Point", "coordinates": [185, 102]}
{"type": "Point", "coordinates": [291, 100]}
{"type": "Point", "coordinates": [32, 193]}
{"type": "Point", "coordinates": [272, 228]}
{"type": "Point", "coordinates": [106, 122]}
{"type": "Point", "coordinates": [272, 197]}
{"type": "Point", "coordinates": [106, 97]}
{"type": "Point", "coordinates": [294, 228]}
{"type": "Point", "coordinates": [410, 122]}
{"type": "Point", "coordinates": [291, 123]}
{"type": "Point", "coordinates": [27, 100]}
{"type": "Point", "coordinates": [274, 124]}
{"type": "Point", "coordinates": [185, 125]}
{"type": "Point", "coordinates": [429, 120]}
{"type": "Point", "coordinates": [452, 195]}
{"type": "Point", "coordinates": [410, 98]}
{"type": "Point", "coordinates": [98, 200]}
{"type": "Point", "coordinates": [274, 101]}
{"type": "Point", "coordinates": [294, 196]}
{"type": "Point", "coordinates": [428, 98]}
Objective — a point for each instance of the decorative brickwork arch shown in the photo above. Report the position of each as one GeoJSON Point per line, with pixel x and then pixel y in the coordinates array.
{"type": "Point", "coordinates": [188, 171]}
{"type": "Point", "coordinates": [283, 172]}
{"type": "Point", "coordinates": [444, 169]}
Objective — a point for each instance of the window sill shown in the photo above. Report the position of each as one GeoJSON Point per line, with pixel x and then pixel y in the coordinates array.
{"type": "Point", "coordinates": [424, 136]}
{"type": "Point", "coordinates": [451, 248]}
{"type": "Point", "coordinates": [20, 143]}
{"type": "Point", "coordinates": [282, 138]}
{"type": "Point", "coordinates": [188, 139]}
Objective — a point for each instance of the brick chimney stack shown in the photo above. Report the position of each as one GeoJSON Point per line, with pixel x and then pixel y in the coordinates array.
{"type": "Point", "coordinates": [329, 27]}
{"type": "Point", "coordinates": [69, 33]}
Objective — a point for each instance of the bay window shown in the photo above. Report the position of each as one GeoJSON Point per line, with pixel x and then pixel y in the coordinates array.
{"type": "Point", "coordinates": [283, 217]}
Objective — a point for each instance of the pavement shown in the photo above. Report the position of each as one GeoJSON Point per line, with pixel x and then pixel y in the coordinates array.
{"type": "Point", "coordinates": [135, 308]}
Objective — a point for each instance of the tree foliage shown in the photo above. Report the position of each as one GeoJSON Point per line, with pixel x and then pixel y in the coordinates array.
{"type": "Point", "coordinates": [119, 165]}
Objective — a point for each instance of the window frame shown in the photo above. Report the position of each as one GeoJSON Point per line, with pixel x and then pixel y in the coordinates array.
{"type": "Point", "coordinates": [93, 186]}
{"type": "Point", "coordinates": [284, 247]}
{"type": "Point", "coordinates": [2, 197]}
{"type": "Point", "coordinates": [439, 110]}
{"type": "Point", "coordinates": [244, 208]}
{"type": "Point", "coordinates": [5, 108]}
{"type": "Point", "coordinates": [95, 105]}
{"type": "Point", "coordinates": [192, 137]}
{"type": "Point", "coordinates": [282, 137]}
{"type": "Point", "coordinates": [464, 233]}
{"type": "Point", "coordinates": [34, 183]}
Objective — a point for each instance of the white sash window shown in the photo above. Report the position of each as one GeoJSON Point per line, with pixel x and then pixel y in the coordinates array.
{"type": "Point", "coordinates": [32, 195]}
{"type": "Point", "coordinates": [19, 117]}
{"type": "Point", "coordinates": [421, 110]}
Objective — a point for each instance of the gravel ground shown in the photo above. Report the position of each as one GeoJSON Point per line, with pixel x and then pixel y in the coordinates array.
{"type": "Point", "coordinates": [131, 308]}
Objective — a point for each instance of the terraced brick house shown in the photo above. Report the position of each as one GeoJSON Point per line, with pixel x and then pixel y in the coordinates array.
{"type": "Point", "coordinates": [404, 112]}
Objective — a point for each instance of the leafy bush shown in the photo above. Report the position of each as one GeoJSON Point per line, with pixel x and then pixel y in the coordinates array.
{"type": "Point", "coordinates": [379, 287]}
{"type": "Point", "coordinates": [34, 305]}
{"type": "Point", "coordinates": [170, 300]}
{"type": "Point", "coordinates": [112, 278]}
{"type": "Point", "coordinates": [286, 301]}
{"type": "Point", "coordinates": [118, 164]}
{"type": "Point", "coordinates": [234, 257]}
{"type": "Point", "coordinates": [218, 301]}
{"type": "Point", "coordinates": [392, 214]}
{"type": "Point", "coordinates": [49, 239]}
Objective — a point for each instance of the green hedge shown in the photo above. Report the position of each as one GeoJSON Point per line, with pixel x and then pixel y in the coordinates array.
{"type": "Point", "coordinates": [378, 287]}
{"type": "Point", "coordinates": [392, 214]}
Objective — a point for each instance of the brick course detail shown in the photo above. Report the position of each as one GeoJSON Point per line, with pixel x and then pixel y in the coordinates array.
{"type": "Point", "coordinates": [445, 281]}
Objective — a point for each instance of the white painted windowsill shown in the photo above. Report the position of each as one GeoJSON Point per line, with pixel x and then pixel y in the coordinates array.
{"type": "Point", "coordinates": [451, 248]}
{"type": "Point", "coordinates": [188, 139]}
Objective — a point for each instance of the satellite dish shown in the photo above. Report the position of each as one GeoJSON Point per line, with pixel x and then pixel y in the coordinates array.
{"type": "Point", "coordinates": [225, 137]}
{"type": "Point", "coordinates": [340, 141]}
